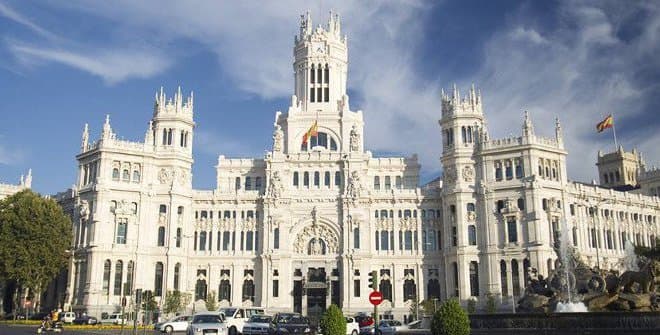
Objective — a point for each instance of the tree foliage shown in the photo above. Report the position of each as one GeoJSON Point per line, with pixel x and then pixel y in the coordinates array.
{"type": "Point", "coordinates": [450, 319]}
{"type": "Point", "coordinates": [173, 302]}
{"type": "Point", "coordinates": [211, 304]}
{"type": "Point", "coordinates": [149, 301]}
{"type": "Point", "coordinates": [333, 322]}
{"type": "Point", "coordinates": [34, 237]}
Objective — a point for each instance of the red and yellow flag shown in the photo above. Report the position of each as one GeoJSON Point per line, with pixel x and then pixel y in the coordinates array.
{"type": "Point", "coordinates": [313, 131]}
{"type": "Point", "coordinates": [607, 123]}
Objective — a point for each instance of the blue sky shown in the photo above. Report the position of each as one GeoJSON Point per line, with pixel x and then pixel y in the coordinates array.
{"type": "Point", "coordinates": [67, 63]}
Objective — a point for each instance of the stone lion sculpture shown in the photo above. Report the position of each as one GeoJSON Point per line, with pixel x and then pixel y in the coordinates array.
{"type": "Point", "coordinates": [646, 278]}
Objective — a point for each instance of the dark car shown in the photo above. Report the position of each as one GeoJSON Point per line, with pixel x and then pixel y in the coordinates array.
{"type": "Point", "coordinates": [364, 320]}
{"type": "Point", "coordinates": [287, 323]}
{"type": "Point", "coordinates": [85, 320]}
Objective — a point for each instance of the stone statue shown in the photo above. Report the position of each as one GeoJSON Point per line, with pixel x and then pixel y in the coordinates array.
{"type": "Point", "coordinates": [355, 139]}
{"type": "Point", "coordinates": [645, 278]}
{"type": "Point", "coordinates": [275, 186]}
{"type": "Point", "coordinates": [83, 210]}
{"type": "Point", "coordinates": [278, 137]}
{"type": "Point", "coordinates": [315, 247]}
{"type": "Point", "coordinates": [354, 187]}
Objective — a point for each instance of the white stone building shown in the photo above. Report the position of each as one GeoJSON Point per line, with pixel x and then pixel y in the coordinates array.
{"type": "Point", "coordinates": [303, 226]}
{"type": "Point", "coordinates": [23, 184]}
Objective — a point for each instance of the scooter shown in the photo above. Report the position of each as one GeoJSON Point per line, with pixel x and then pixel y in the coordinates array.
{"type": "Point", "coordinates": [46, 326]}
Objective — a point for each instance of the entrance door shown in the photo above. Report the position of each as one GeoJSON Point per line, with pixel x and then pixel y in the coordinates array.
{"type": "Point", "coordinates": [317, 292]}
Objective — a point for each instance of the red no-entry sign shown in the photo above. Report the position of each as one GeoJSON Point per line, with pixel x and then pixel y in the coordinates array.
{"type": "Point", "coordinates": [375, 298]}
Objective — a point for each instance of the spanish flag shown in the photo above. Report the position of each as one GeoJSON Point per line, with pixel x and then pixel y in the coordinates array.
{"type": "Point", "coordinates": [607, 123]}
{"type": "Point", "coordinates": [313, 131]}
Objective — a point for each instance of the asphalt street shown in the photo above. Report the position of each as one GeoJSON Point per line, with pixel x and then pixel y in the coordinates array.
{"type": "Point", "coordinates": [32, 329]}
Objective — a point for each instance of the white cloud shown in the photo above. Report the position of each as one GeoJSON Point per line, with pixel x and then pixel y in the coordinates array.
{"type": "Point", "coordinates": [13, 15]}
{"type": "Point", "coordinates": [525, 34]}
{"type": "Point", "coordinates": [111, 65]}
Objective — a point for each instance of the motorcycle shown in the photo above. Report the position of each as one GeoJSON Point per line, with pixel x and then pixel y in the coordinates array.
{"type": "Point", "coordinates": [46, 326]}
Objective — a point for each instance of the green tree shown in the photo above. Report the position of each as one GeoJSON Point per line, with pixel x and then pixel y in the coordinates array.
{"type": "Point", "coordinates": [34, 237]}
{"type": "Point", "coordinates": [450, 319]}
{"type": "Point", "coordinates": [211, 304]}
{"type": "Point", "coordinates": [173, 302]}
{"type": "Point", "coordinates": [333, 322]}
{"type": "Point", "coordinates": [149, 301]}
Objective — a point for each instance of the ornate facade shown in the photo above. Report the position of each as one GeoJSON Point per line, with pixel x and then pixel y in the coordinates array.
{"type": "Point", "coordinates": [303, 226]}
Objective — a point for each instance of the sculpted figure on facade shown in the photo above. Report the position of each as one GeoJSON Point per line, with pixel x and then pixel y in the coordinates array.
{"type": "Point", "coordinates": [275, 186]}
{"type": "Point", "coordinates": [354, 187]}
{"type": "Point", "coordinates": [83, 210]}
{"type": "Point", "coordinates": [468, 174]}
{"type": "Point", "coordinates": [355, 139]}
{"type": "Point", "coordinates": [449, 175]}
{"type": "Point", "coordinates": [278, 137]}
{"type": "Point", "coordinates": [165, 176]}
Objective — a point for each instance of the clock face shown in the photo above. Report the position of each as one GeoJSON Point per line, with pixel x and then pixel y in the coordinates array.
{"type": "Point", "coordinates": [318, 47]}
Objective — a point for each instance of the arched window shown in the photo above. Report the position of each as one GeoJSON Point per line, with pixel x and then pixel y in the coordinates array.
{"type": "Point", "coordinates": [384, 240]}
{"type": "Point", "coordinates": [119, 272]}
{"type": "Point", "coordinates": [319, 68]}
{"type": "Point", "coordinates": [249, 240]}
{"type": "Point", "coordinates": [317, 178]}
{"type": "Point", "coordinates": [515, 278]}
{"type": "Point", "coordinates": [200, 289]}
{"type": "Point", "coordinates": [326, 74]}
{"type": "Point", "coordinates": [224, 290]}
{"type": "Point", "coordinates": [409, 290]}
{"type": "Point", "coordinates": [295, 178]}
{"type": "Point", "coordinates": [129, 278]}
{"type": "Point", "coordinates": [312, 75]}
{"type": "Point", "coordinates": [237, 183]}
{"type": "Point", "coordinates": [276, 238]}
{"type": "Point", "coordinates": [122, 226]}
{"type": "Point", "coordinates": [306, 179]}
{"type": "Point", "coordinates": [338, 179]}
{"type": "Point", "coordinates": [474, 279]}
{"type": "Point", "coordinates": [433, 289]}
{"type": "Point", "coordinates": [408, 240]}
{"type": "Point", "coordinates": [125, 175]}
{"type": "Point", "coordinates": [385, 288]}
{"type": "Point", "coordinates": [503, 279]}
{"type": "Point", "coordinates": [376, 183]}
{"type": "Point", "coordinates": [248, 183]}
{"type": "Point", "coordinates": [470, 207]}
{"type": "Point", "coordinates": [177, 275]}
{"type": "Point", "coordinates": [512, 229]}
{"type": "Point", "coordinates": [161, 236]}
{"type": "Point", "coordinates": [521, 204]}
{"type": "Point", "coordinates": [106, 276]}
{"type": "Point", "coordinates": [158, 280]}
{"type": "Point", "coordinates": [508, 170]}
{"type": "Point", "coordinates": [519, 169]}
{"type": "Point", "coordinates": [463, 135]}
{"type": "Point", "coordinates": [498, 171]}
{"type": "Point", "coordinates": [248, 290]}
{"type": "Point", "coordinates": [115, 174]}
{"type": "Point", "coordinates": [257, 183]}
{"type": "Point", "coordinates": [326, 178]}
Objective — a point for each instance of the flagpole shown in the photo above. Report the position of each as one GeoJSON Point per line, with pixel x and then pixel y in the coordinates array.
{"type": "Point", "coordinates": [616, 146]}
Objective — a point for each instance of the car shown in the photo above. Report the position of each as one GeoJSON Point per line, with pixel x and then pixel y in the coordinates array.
{"type": "Point", "coordinates": [384, 328]}
{"type": "Point", "coordinates": [364, 320]}
{"type": "Point", "coordinates": [113, 319]}
{"type": "Point", "coordinates": [352, 326]}
{"type": "Point", "coordinates": [207, 323]}
{"type": "Point", "coordinates": [287, 323]}
{"type": "Point", "coordinates": [257, 324]}
{"type": "Point", "coordinates": [67, 317]}
{"type": "Point", "coordinates": [176, 324]}
{"type": "Point", "coordinates": [235, 317]}
{"type": "Point", "coordinates": [85, 320]}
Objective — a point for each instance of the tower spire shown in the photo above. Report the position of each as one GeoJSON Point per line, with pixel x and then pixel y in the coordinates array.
{"type": "Point", "coordinates": [85, 138]}
{"type": "Point", "coordinates": [107, 130]}
{"type": "Point", "coordinates": [528, 127]}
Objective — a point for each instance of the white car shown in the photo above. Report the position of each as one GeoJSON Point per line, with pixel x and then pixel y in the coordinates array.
{"type": "Point", "coordinates": [385, 327]}
{"type": "Point", "coordinates": [235, 317]}
{"type": "Point", "coordinates": [177, 324]}
{"type": "Point", "coordinates": [352, 326]}
{"type": "Point", "coordinates": [258, 324]}
{"type": "Point", "coordinates": [113, 319]}
{"type": "Point", "coordinates": [68, 317]}
{"type": "Point", "coordinates": [207, 323]}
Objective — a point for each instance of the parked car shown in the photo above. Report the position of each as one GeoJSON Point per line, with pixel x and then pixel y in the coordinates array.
{"type": "Point", "coordinates": [287, 323]}
{"type": "Point", "coordinates": [257, 324]}
{"type": "Point", "coordinates": [67, 317]}
{"type": "Point", "coordinates": [352, 326]}
{"type": "Point", "coordinates": [85, 320]}
{"type": "Point", "coordinates": [114, 319]}
{"type": "Point", "coordinates": [364, 320]}
{"type": "Point", "coordinates": [235, 317]}
{"type": "Point", "coordinates": [207, 323]}
{"type": "Point", "coordinates": [176, 324]}
{"type": "Point", "coordinates": [385, 327]}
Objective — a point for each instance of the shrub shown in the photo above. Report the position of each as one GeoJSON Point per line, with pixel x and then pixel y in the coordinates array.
{"type": "Point", "coordinates": [333, 322]}
{"type": "Point", "coordinates": [471, 306]}
{"type": "Point", "coordinates": [450, 319]}
{"type": "Point", "coordinates": [491, 304]}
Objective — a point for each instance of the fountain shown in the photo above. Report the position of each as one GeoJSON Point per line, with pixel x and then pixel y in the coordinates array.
{"type": "Point", "coordinates": [575, 287]}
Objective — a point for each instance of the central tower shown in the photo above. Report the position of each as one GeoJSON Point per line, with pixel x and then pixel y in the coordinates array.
{"type": "Point", "coordinates": [320, 65]}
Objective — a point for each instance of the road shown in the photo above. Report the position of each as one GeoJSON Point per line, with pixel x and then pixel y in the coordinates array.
{"type": "Point", "coordinates": [32, 329]}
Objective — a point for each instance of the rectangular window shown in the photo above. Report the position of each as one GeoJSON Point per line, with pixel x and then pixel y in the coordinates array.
{"type": "Point", "coordinates": [512, 229]}
{"type": "Point", "coordinates": [388, 183]}
{"type": "Point", "coordinates": [249, 241]}
{"type": "Point", "coordinates": [356, 288]}
{"type": "Point", "coordinates": [178, 237]}
{"type": "Point", "coordinates": [509, 172]}
{"type": "Point", "coordinates": [276, 288]}
{"type": "Point", "coordinates": [225, 241]}
{"type": "Point", "coordinates": [356, 238]}
{"type": "Point", "coordinates": [326, 94]}
{"type": "Point", "coordinates": [318, 94]}
{"type": "Point", "coordinates": [311, 94]}
{"type": "Point", "coordinates": [454, 238]}
{"type": "Point", "coordinates": [122, 227]}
